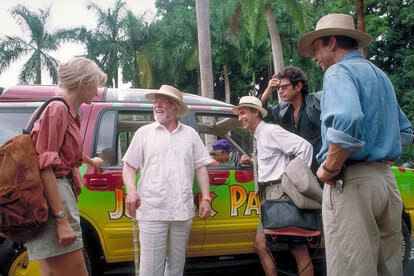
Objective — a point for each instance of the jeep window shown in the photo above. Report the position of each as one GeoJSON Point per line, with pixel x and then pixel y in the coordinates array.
{"type": "Point", "coordinates": [115, 135]}
{"type": "Point", "coordinates": [104, 139]}
{"type": "Point", "coordinates": [220, 126]}
{"type": "Point", "coordinates": [12, 122]}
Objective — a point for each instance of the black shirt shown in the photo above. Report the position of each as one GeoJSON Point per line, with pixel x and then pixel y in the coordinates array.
{"type": "Point", "coordinates": [309, 124]}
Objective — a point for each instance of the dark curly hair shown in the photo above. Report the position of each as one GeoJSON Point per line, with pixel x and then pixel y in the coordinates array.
{"type": "Point", "coordinates": [295, 75]}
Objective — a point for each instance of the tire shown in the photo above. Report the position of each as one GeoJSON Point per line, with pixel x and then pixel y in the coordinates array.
{"type": "Point", "coordinates": [15, 261]}
{"type": "Point", "coordinates": [94, 263]}
{"type": "Point", "coordinates": [406, 247]}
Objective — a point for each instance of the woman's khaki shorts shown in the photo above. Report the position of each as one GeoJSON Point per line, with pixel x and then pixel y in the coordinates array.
{"type": "Point", "coordinates": [45, 244]}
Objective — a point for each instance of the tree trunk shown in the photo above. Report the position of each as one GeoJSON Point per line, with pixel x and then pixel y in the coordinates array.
{"type": "Point", "coordinates": [198, 83]}
{"type": "Point", "coordinates": [39, 69]}
{"type": "Point", "coordinates": [275, 40]}
{"type": "Point", "coordinates": [361, 20]}
{"type": "Point", "coordinates": [226, 83]}
{"type": "Point", "coordinates": [116, 77]}
{"type": "Point", "coordinates": [204, 48]}
{"type": "Point", "coordinates": [135, 78]}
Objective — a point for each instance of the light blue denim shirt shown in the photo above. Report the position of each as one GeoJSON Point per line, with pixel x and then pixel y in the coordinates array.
{"type": "Point", "coordinates": [360, 111]}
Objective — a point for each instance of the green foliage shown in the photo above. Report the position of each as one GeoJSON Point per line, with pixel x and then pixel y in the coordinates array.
{"type": "Point", "coordinates": [40, 43]}
{"type": "Point", "coordinates": [391, 24]}
{"type": "Point", "coordinates": [166, 49]}
{"type": "Point", "coordinates": [108, 36]}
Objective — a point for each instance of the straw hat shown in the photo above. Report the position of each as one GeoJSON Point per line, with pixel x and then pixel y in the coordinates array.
{"type": "Point", "coordinates": [301, 185]}
{"type": "Point", "coordinates": [329, 25]}
{"type": "Point", "coordinates": [174, 94]}
{"type": "Point", "coordinates": [250, 101]}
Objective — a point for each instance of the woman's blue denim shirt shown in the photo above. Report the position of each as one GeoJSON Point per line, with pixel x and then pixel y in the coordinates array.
{"type": "Point", "coordinates": [360, 111]}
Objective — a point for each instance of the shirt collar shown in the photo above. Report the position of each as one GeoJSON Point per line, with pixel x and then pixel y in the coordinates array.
{"type": "Point", "coordinates": [356, 53]}
{"type": "Point", "coordinates": [179, 126]}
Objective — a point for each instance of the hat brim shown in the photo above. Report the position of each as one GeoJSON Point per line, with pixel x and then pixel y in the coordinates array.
{"type": "Point", "coordinates": [182, 112]}
{"type": "Point", "coordinates": [263, 111]}
{"type": "Point", "coordinates": [305, 42]}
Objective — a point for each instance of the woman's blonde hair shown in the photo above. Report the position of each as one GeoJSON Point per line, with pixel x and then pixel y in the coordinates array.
{"type": "Point", "coordinates": [78, 69]}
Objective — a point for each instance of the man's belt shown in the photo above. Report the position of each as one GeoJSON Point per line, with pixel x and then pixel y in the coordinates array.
{"type": "Point", "coordinates": [352, 162]}
{"type": "Point", "coordinates": [270, 183]}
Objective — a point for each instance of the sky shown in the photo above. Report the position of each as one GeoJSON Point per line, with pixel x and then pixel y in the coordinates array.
{"type": "Point", "coordinates": [63, 14]}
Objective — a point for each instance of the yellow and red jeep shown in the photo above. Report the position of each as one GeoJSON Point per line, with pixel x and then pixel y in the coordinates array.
{"type": "Point", "coordinates": [107, 127]}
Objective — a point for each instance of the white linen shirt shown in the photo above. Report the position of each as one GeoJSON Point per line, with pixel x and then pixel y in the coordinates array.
{"type": "Point", "coordinates": [275, 148]}
{"type": "Point", "coordinates": [167, 162]}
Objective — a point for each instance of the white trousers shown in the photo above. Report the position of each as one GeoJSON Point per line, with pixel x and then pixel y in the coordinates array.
{"type": "Point", "coordinates": [163, 245]}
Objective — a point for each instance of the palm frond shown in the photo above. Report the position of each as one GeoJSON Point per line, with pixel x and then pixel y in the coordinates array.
{"type": "Point", "coordinates": [11, 49]}
{"type": "Point", "coordinates": [50, 64]}
{"type": "Point", "coordinates": [31, 70]}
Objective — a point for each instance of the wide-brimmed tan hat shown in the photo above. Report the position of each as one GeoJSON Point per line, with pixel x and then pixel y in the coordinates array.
{"type": "Point", "coordinates": [329, 25]}
{"type": "Point", "coordinates": [301, 185]}
{"type": "Point", "coordinates": [174, 94]}
{"type": "Point", "coordinates": [250, 101]}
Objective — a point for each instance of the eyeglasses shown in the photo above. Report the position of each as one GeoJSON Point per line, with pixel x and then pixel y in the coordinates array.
{"type": "Point", "coordinates": [283, 87]}
{"type": "Point", "coordinates": [161, 102]}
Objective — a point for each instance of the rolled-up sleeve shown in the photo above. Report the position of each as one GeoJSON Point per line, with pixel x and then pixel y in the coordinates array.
{"type": "Point", "coordinates": [344, 128]}
{"type": "Point", "coordinates": [49, 138]}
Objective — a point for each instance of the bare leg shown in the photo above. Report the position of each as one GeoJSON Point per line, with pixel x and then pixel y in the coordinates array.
{"type": "Point", "coordinates": [68, 264]}
{"type": "Point", "coordinates": [303, 260]}
{"type": "Point", "coordinates": [266, 259]}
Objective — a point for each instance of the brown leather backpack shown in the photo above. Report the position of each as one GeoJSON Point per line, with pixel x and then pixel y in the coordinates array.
{"type": "Point", "coordinates": [23, 206]}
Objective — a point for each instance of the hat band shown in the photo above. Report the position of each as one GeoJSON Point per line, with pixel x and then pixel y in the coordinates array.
{"type": "Point", "coordinates": [250, 105]}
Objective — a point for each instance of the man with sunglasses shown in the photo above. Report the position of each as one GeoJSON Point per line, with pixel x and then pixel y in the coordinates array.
{"type": "Point", "coordinates": [299, 112]}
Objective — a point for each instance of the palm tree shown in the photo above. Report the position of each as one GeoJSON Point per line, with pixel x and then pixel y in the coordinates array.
{"type": "Point", "coordinates": [135, 65]}
{"type": "Point", "coordinates": [255, 10]}
{"type": "Point", "coordinates": [249, 26]}
{"type": "Point", "coordinates": [172, 50]}
{"type": "Point", "coordinates": [360, 11]}
{"type": "Point", "coordinates": [108, 33]}
{"type": "Point", "coordinates": [41, 41]}
{"type": "Point", "coordinates": [223, 44]}
{"type": "Point", "coordinates": [274, 38]}
{"type": "Point", "coordinates": [204, 46]}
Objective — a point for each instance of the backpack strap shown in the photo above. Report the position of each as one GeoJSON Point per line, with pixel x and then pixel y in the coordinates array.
{"type": "Point", "coordinates": [40, 110]}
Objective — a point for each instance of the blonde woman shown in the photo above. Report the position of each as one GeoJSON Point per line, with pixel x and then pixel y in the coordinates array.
{"type": "Point", "coordinates": [58, 143]}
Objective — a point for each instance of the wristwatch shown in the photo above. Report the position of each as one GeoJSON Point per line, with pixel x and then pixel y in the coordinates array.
{"type": "Point", "coordinates": [61, 214]}
{"type": "Point", "coordinates": [206, 198]}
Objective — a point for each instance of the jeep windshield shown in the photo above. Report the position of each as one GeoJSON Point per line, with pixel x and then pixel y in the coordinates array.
{"type": "Point", "coordinates": [12, 122]}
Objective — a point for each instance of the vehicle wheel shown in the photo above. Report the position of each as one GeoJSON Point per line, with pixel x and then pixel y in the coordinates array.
{"type": "Point", "coordinates": [406, 247]}
{"type": "Point", "coordinates": [15, 261]}
{"type": "Point", "coordinates": [94, 264]}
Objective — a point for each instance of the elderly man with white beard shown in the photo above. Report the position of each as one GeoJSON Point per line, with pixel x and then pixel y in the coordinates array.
{"type": "Point", "coordinates": [167, 153]}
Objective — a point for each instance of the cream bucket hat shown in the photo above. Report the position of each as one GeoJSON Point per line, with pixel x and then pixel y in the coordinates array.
{"type": "Point", "coordinates": [174, 94]}
{"type": "Point", "coordinates": [250, 101]}
{"type": "Point", "coordinates": [330, 25]}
